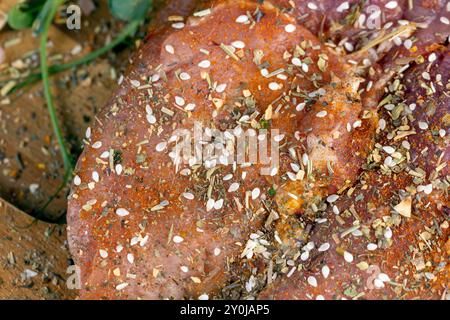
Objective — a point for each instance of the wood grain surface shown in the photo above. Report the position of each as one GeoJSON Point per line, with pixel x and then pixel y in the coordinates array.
{"type": "Point", "coordinates": [33, 257]}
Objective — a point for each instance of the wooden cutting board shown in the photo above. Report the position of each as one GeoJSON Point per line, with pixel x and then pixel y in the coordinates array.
{"type": "Point", "coordinates": [30, 161]}
{"type": "Point", "coordinates": [33, 257]}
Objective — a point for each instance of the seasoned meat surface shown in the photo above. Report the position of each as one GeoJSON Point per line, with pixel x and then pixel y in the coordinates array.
{"type": "Point", "coordinates": [148, 221]}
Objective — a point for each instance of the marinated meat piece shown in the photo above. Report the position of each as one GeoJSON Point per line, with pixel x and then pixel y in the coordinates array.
{"type": "Point", "coordinates": [142, 226]}
{"type": "Point", "coordinates": [147, 220]}
{"type": "Point", "coordinates": [388, 237]}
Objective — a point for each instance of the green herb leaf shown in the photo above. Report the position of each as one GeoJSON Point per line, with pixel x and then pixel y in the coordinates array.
{"type": "Point", "coordinates": [20, 19]}
{"type": "Point", "coordinates": [271, 192]}
{"type": "Point", "coordinates": [129, 10]}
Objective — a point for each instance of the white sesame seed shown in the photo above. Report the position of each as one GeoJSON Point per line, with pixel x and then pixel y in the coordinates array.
{"type": "Point", "coordinates": [296, 62]}
{"type": "Point", "coordinates": [384, 277]}
{"type": "Point", "coordinates": [210, 204]}
{"type": "Point", "coordinates": [218, 204]}
{"type": "Point", "coordinates": [161, 146]}
{"type": "Point", "coordinates": [242, 19]}
{"type": "Point", "coordinates": [349, 46]}
{"type": "Point", "coordinates": [423, 125]}
{"type": "Point", "coordinates": [321, 114]}
{"type": "Point", "coordinates": [204, 64]}
{"type": "Point", "coordinates": [426, 189]}
{"type": "Point", "coordinates": [325, 271]}
{"type": "Point", "coordinates": [444, 20]}
{"type": "Point", "coordinates": [255, 193]}
{"type": "Point", "coordinates": [312, 281]}
{"type": "Point", "coordinates": [155, 77]}
{"type": "Point", "coordinates": [305, 67]}
{"type": "Point", "coordinates": [279, 137]}
{"type": "Point", "coordinates": [391, 5]}
{"type": "Point", "coordinates": [332, 198]}
{"type": "Point", "coordinates": [378, 283]}
{"type": "Point", "coordinates": [372, 247]}
{"type": "Point", "coordinates": [184, 76]}
{"type": "Point", "coordinates": [388, 150]}
{"type": "Point", "coordinates": [432, 57]}
{"type": "Point", "coordinates": [304, 256]}
{"type": "Point", "coordinates": [426, 76]}
{"type": "Point", "coordinates": [289, 28]}
{"type": "Point", "coordinates": [305, 159]}
{"type": "Point", "coordinates": [134, 241]}
{"type": "Point", "coordinates": [130, 258]}
{"type": "Point", "coordinates": [343, 6]}
{"type": "Point", "coordinates": [233, 187]}
{"type": "Point", "coordinates": [264, 72]}
{"type": "Point", "coordinates": [300, 106]}
{"type": "Point", "coordinates": [388, 233]}
{"type": "Point", "coordinates": [179, 101]}
{"type": "Point", "coordinates": [361, 19]}
{"type": "Point", "coordinates": [292, 176]}
{"type": "Point", "coordinates": [95, 176]}
{"type": "Point", "coordinates": [442, 133]}
{"type": "Point", "coordinates": [122, 212]}
{"type": "Point", "coordinates": [407, 43]}
{"type": "Point", "coordinates": [135, 83]}
{"type": "Point", "coordinates": [203, 297]}
{"type": "Point", "coordinates": [324, 247]}
{"type": "Point", "coordinates": [227, 177]}
{"type": "Point", "coordinates": [151, 118]}
{"type": "Point", "coordinates": [104, 155]}
{"type": "Point", "coordinates": [178, 25]}
{"type": "Point", "coordinates": [273, 171]}
{"type": "Point", "coordinates": [190, 107]}
{"type": "Point", "coordinates": [144, 241]}
{"type": "Point", "coordinates": [170, 49]}
{"type": "Point", "coordinates": [348, 256]}
{"type": "Point", "coordinates": [221, 87]}
{"type": "Point", "coordinates": [97, 145]}
{"type": "Point", "coordinates": [184, 269]}
{"type": "Point", "coordinates": [77, 180]}
{"type": "Point", "coordinates": [178, 239]}
{"type": "Point", "coordinates": [389, 161]}
{"type": "Point", "coordinates": [295, 167]}
{"type": "Point", "coordinates": [188, 195]}
{"type": "Point", "coordinates": [217, 251]}
{"type": "Point", "coordinates": [275, 86]}
{"type": "Point", "coordinates": [103, 253]}
{"type": "Point", "coordinates": [336, 210]}
{"type": "Point", "coordinates": [238, 44]}
{"type": "Point", "coordinates": [88, 133]}
{"type": "Point", "coordinates": [121, 286]}
{"type": "Point", "coordinates": [312, 6]}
